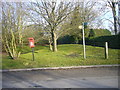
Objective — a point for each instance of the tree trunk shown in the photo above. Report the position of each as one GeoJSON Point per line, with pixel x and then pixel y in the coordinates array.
{"type": "Point", "coordinates": [115, 25]}
{"type": "Point", "coordinates": [50, 45]}
{"type": "Point", "coordinates": [115, 18]}
{"type": "Point", "coordinates": [54, 42]}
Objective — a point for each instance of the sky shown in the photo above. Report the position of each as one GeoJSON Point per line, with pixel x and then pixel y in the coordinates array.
{"type": "Point", "coordinates": [106, 23]}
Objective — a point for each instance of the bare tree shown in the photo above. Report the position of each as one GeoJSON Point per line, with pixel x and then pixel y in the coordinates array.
{"type": "Point", "coordinates": [0, 27]}
{"type": "Point", "coordinates": [53, 13]}
{"type": "Point", "coordinates": [84, 11]}
{"type": "Point", "coordinates": [119, 16]}
{"type": "Point", "coordinates": [113, 5]}
{"type": "Point", "coordinates": [12, 26]}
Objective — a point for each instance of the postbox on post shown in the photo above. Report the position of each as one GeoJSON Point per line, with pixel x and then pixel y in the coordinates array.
{"type": "Point", "coordinates": [31, 44]}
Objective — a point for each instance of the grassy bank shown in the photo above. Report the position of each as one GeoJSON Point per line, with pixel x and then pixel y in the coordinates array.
{"type": "Point", "coordinates": [67, 55]}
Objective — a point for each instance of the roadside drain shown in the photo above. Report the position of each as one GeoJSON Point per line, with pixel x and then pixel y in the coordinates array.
{"type": "Point", "coordinates": [37, 86]}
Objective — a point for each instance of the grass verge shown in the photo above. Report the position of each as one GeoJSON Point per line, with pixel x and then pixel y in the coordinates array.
{"type": "Point", "coordinates": [67, 55]}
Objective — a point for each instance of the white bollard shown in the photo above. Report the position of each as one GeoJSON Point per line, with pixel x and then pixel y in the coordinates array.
{"type": "Point", "coordinates": [106, 50]}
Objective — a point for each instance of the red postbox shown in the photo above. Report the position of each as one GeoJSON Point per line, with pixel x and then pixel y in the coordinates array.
{"type": "Point", "coordinates": [31, 42]}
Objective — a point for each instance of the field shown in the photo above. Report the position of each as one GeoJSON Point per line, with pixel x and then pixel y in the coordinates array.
{"type": "Point", "coordinates": [67, 55]}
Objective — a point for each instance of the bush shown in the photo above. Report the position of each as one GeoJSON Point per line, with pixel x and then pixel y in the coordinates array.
{"type": "Point", "coordinates": [76, 38]}
{"type": "Point", "coordinates": [66, 40]}
{"type": "Point", "coordinates": [113, 41]}
{"type": "Point", "coordinates": [91, 33]}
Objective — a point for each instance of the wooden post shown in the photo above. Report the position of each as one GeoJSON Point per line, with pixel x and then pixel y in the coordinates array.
{"type": "Point", "coordinates": [106, 50]}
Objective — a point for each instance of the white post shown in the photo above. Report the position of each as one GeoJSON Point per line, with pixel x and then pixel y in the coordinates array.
{"type": "Point", "coordinates": [84, 53]}
{"type": "Point", "coordinates": [106, 50]}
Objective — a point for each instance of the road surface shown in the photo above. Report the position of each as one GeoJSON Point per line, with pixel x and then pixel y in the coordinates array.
{"type": "Point", "coordinates": [70, 78]}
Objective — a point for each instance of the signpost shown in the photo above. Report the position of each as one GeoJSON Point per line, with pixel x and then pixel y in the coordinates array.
{"type": "Point", "coordinates": [83, 26]}
{"type": "Point", "coordinates": [84, 41]}
{"type": "Point", "coordinates": [31, 44]}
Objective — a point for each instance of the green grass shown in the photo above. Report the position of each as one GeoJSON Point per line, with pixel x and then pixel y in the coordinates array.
{"type": "Point", "coordinates": [67, 55]}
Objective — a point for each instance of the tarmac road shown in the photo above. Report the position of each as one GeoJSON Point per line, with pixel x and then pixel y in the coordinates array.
{"type": "Point", "coordinates": [69, 78]}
